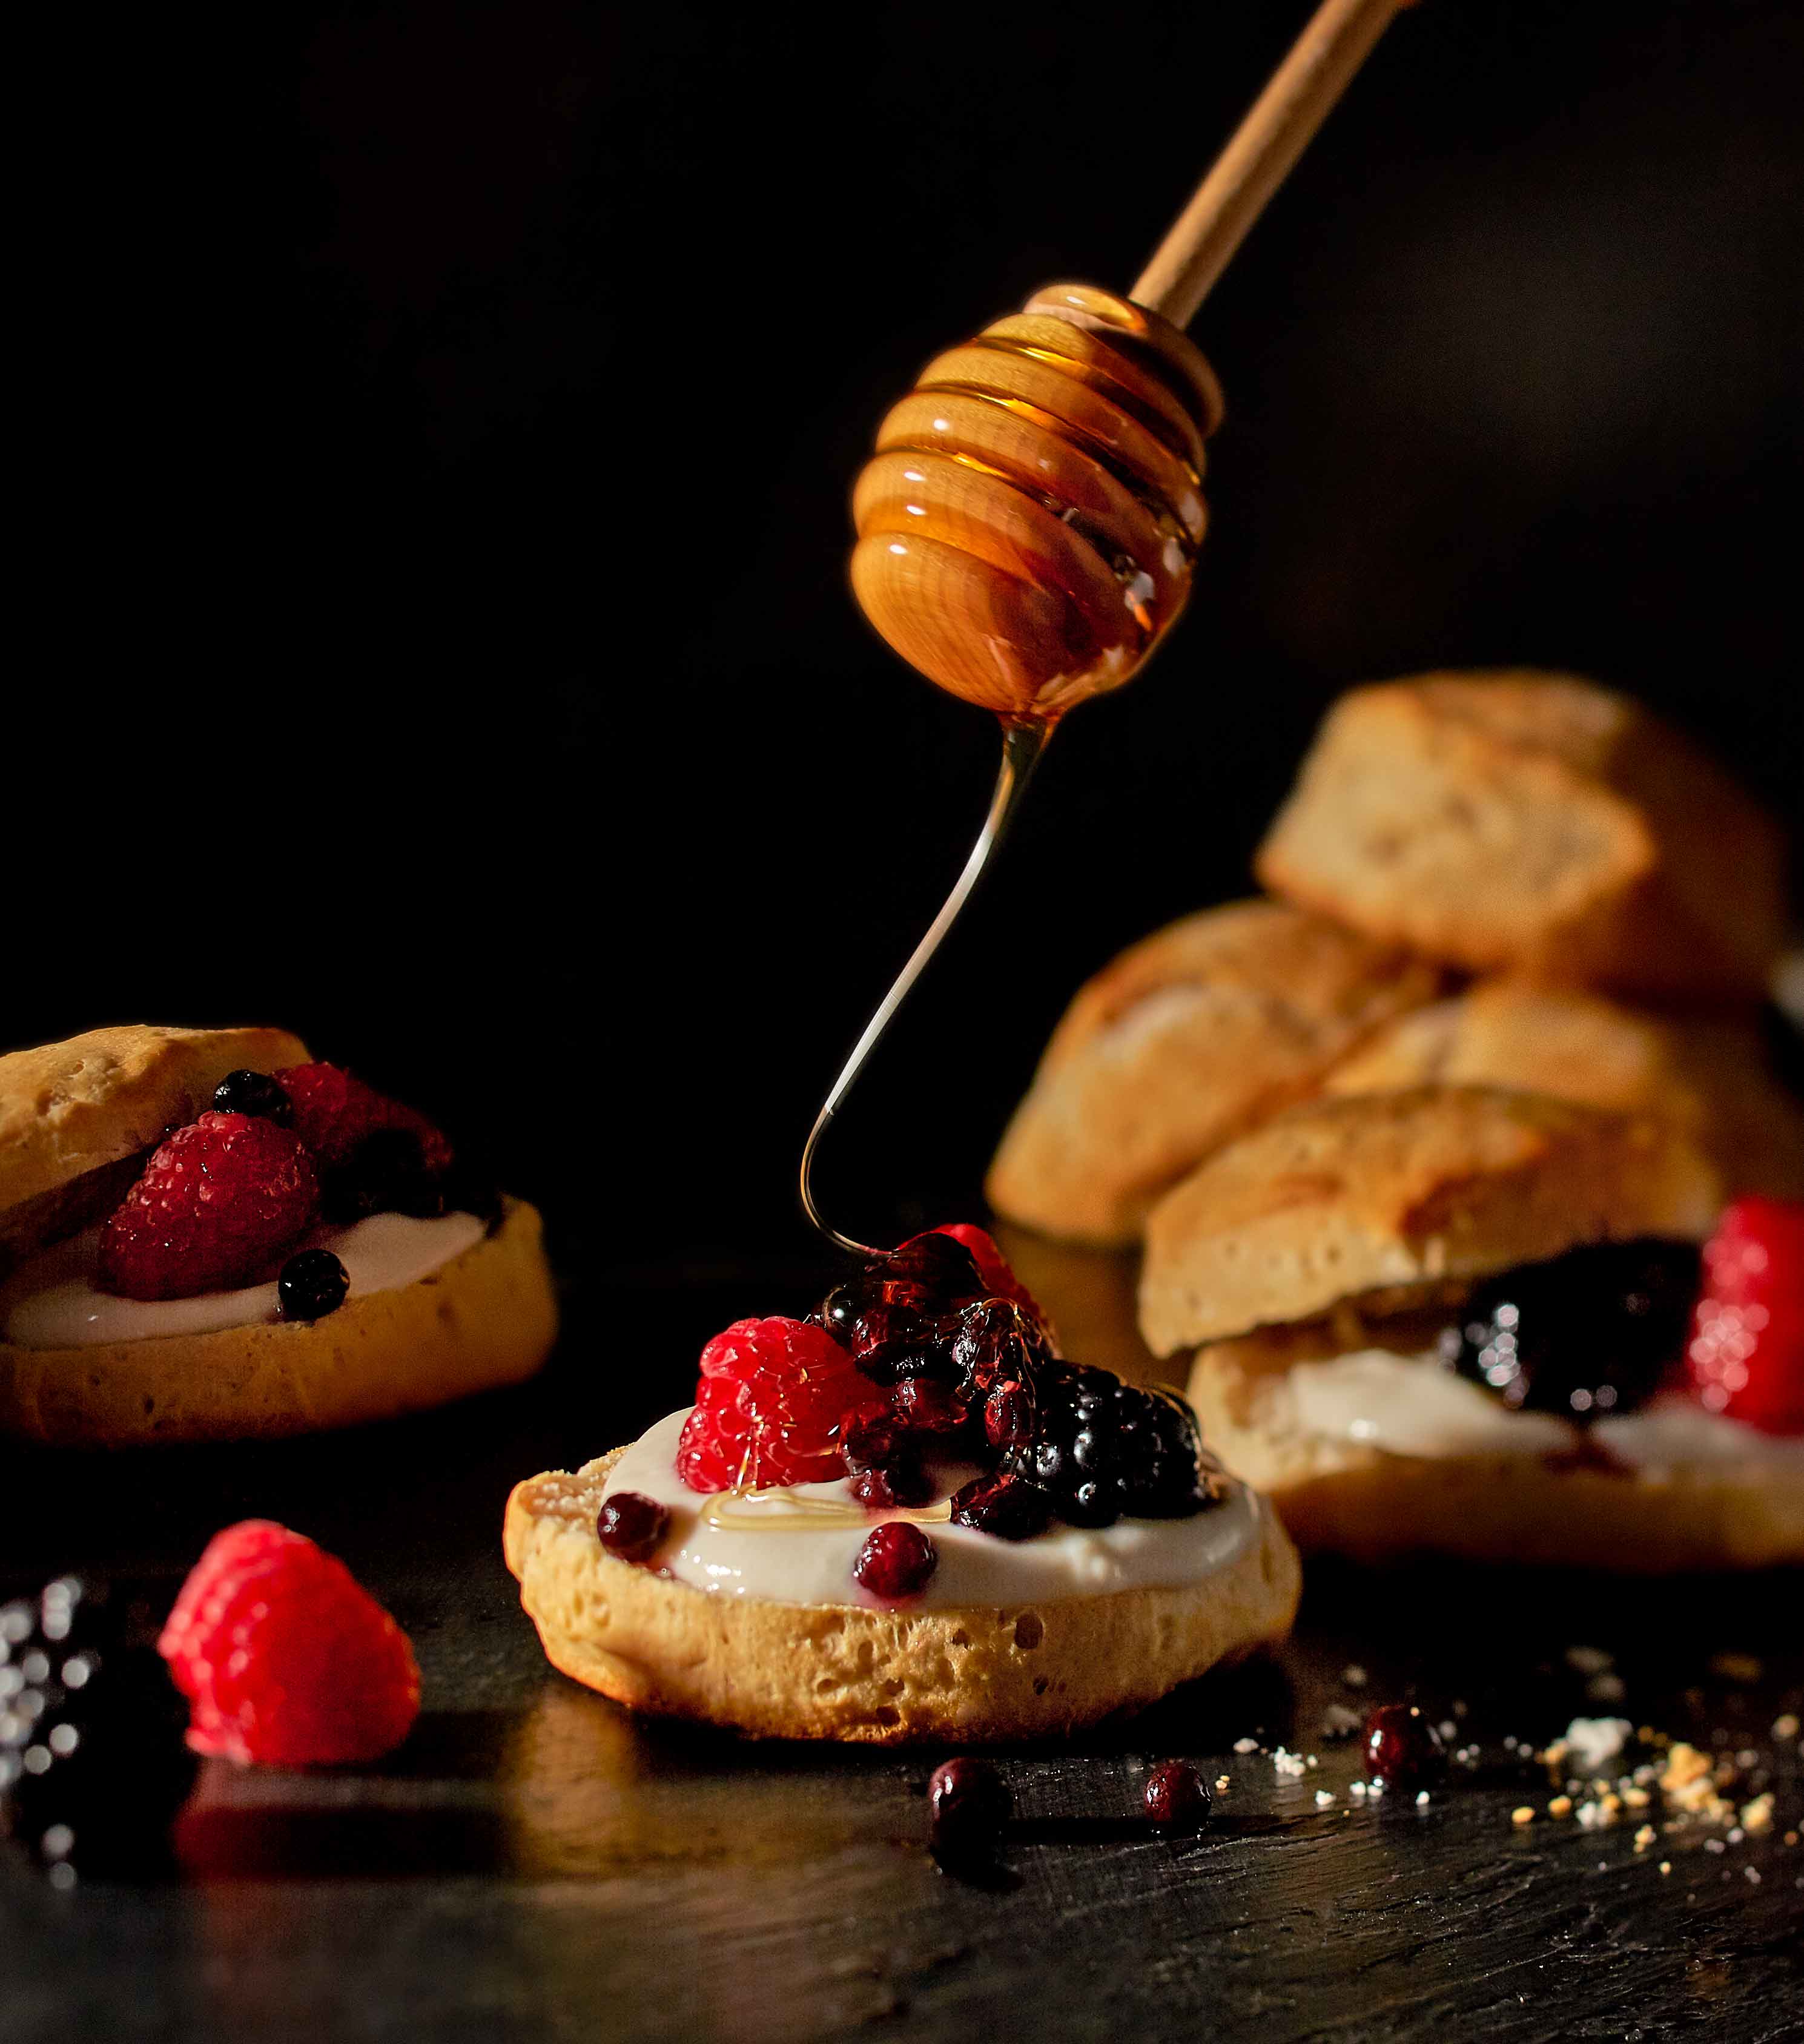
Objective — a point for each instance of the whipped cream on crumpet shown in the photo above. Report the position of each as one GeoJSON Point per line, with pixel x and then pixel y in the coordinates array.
{"type": "Point", "coordinates": [52, 1301]}
{"type": "Point", "coordinates": [1414, 1405]}
{"type": "Point", "coordinates": [797, 1544]}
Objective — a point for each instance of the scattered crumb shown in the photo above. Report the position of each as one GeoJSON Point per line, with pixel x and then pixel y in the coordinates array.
{"type": "Point", "coordinates": [1221, 1781]}
{"type": "Point", "coordinates": [1644, 1838]}
{"type": "Point", "coordinates": [1358, 1788]}
{"type": "Point", "coordinates": [1339, 1722]}
{"type": "Point", "coordinates": [1758, 1815]}
{"type": "Point", "coordinates": [1323, 1798]}
{"type": "Point", "coordinates": [1751, 1873]}
{"type": "Point", "coordinates": [1737, 1667]}
{"type": "Point", "coordinates": [1246, 1745]}
{"type": "Point", "coordinates": [1354, 1676]}
{"type": "Point", "coordinates": [1289, 1765]}
{"type": "Point", "coordinates": [1666, 1866]}
{"type": "Point", "coordinates": [1561, 1806]}
{"type": "Point", "coordinates": [1786, 1727]}
{"type": "Point", "coordinates": [1593, 1742]}
{"type": "Point", "coordinates": [1522, 1814]}
{"type": "Point", "coordinates": [1634, 1798]}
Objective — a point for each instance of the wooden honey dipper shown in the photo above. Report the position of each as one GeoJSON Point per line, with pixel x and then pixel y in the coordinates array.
{"type": "Point", "coordinates": [1028, 527]}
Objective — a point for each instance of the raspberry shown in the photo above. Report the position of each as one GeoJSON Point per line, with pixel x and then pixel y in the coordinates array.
{"type": "Point", "coordinates": [217, 1202]}
{"type": "Point", "coordinates": [1746, 1352]}
{"type": "Point", "coordinates": [774, 1398]}
{"type": "Point", "coordinates": [284, 1658]}
{"type": "Point", "coordinates": [993, 1266]}
{"type": "Point", "coordinates": [335, 1112]}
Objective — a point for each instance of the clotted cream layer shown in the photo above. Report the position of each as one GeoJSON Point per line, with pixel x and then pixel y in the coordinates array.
{"type": "Point", "coordinates": [796, 1545]}
{"type": "Point", "coordinates": [1415, 1405]}
{"type": "Point", "coordinates": [52, 1301]}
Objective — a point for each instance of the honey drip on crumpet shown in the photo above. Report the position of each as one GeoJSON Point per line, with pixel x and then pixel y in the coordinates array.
{"type": "Point", "coordinates": [805, 1515]}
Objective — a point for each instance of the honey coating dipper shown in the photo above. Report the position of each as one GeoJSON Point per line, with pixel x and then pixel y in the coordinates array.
{"type": "Point", "coordinates": [1028, 527]}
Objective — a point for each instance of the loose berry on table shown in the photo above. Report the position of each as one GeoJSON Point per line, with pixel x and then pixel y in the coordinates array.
{"type": "Point", "coordinates": [1177, 1797]}
{"type": "Point", "coordinates": [312, 1284]}
{"type": "Point", "coordinates": [968, 1804]}
{"type": "Point", "coordinates": [631, 1527]}
{"type": "Point", "coordinates": [896, 1561]}
{"type": "Point", "coordinates": [284, 1656]}
{"type": "Point", "coordinates": [1403, 1750]}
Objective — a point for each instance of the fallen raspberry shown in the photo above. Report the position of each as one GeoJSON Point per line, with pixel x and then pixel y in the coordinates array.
{"type": "Point", "coordinates": [335, 1112]}
{"type": "Point", "coordinates": [774, 1398]}
{"type": "Point", "coordinates": [993, 1266]}
{"type": "Point", "coordinates": [284, 1658]}
{"type": "Point", "coordinates": [217, 1202]}
{"type": "Point", "coordinates": [1746, 1353]}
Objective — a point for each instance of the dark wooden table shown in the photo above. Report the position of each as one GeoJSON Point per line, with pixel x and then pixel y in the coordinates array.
{"type": "Point", "coordinates": [536, 1865]}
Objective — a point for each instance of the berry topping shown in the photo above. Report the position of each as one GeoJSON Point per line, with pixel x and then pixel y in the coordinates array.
{"type": "Point", "coordinates": [1746, 1352]}
{"type": "Point", "coordinates": [968, 1802]}
{"type": "Point", "coordinates": [899, 1484]}
{"type": "Point", "coordinates": [284, 1658]}
{"type": "Point", "coordinates": [1007, 1507]}
{"type": "Point", "coordinates": [924, 1407]}
{"type": "Point", "coordinates": [774, 1401]}
{"type": "Point", "coordinates": [1008, 1414]}
{"type": "Point", "coordinates": [92, 1766]}
{"type": "Point", "coordinates": [1177, 1797]}
{"type": "Point", "coordinates": [1591, 1333]}
{"type": "Point", "coordinates": [386, 1173]}
{"type": "Point", "coordinates": [993, 1267]}
{"type": "Point", "coordinates": [217, 1201]}
{"type": "Point", "coordinates": [334, 1111]}
{"type": "Point", "coordinates": [631, 1526]}
{"type": "Point", "coordinates": [313, 1284]}
{"type": "Point", "coordinates": [254, 1093]}
{"type": "Point", "coordinates": [1403, 1750]}
{"type": "Point", "coordinates": [896, 1561]}
{"type": "Point", "coordinates": [1103, 1449]}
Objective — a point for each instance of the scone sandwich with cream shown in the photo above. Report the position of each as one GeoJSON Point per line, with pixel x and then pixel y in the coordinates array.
{"type": "Point", "coordinates": [206, 1235]}
{"type": "Point", "coordinates": [1486, 1323]}
{"type": "Point", "coordinates": [904, 1518]}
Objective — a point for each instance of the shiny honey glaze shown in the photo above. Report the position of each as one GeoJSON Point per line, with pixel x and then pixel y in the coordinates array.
{"type": "Point", "coordinates": [1027, 529]}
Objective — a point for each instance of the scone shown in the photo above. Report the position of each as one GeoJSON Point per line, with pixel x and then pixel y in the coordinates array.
{"type": "Point", "coordinates": [204, 1235]}
{"type": "Point", "coordinates": [1186, 1040]}
{"type": "Point", "coordinates": [1707, 1077]}
{"type": "Point", "coordinates": [904, 1519]}
{"type": "Point", "coordinates": [1537, 824]}
{"type": "Point", "coordinates": [1456, 1320]}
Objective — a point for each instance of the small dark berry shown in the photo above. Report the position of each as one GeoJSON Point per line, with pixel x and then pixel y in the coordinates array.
{"type": "Point", "coordinates": [969, 1802]}
{"type": "Point", "coordinates": [934, 1264]}
{"type": "Point", "coordinates": [254, 1093]}
{"type": "Point", "coordinates": [903, 1483]}
{"type": "Point", "coordinates": [924, 1407]}
{"type": "Point", "coordinates": [1177, 1797]}
{"type": "Point", "coordinates": [896, 1561]}
{"type": "Point", "coordinates": [631, 1526]}
{"type": "Point", "coordinates": [872, 1443]}
{"type": "Point", "coordinates": [313, 1284]}
{"type": "Point", "coordinates": [1008, 1508]}
{"type": "Point", "coordinates": [385, 1173]}
{"type": "Point", "coordinates": [1403, 1750]}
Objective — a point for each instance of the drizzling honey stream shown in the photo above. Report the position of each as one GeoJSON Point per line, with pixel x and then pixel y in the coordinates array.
{"type": "Point", "coordinates": [1028, 527]}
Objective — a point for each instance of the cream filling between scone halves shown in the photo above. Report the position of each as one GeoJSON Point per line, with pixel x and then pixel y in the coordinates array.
{"type": "Point", "coordinates": [1415, 1405]}
{"type": "Point", "coordinates": [796, 1545]}
{"type": "Point", "coordinates": [53, 1302]}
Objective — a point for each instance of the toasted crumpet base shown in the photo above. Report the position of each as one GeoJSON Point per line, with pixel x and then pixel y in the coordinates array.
{"type": "Point", "coordinates": [487, 1318]}
{"type": "Point", "coordinates": [882, 1677]}
{"type": "Point", "coordinates": [1346, 1497]}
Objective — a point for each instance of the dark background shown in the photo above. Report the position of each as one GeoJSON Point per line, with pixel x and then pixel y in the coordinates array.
{"type": "Point", "coordinates": [437, 432]}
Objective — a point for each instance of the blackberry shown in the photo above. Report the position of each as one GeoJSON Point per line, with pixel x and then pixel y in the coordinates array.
{"type": "Point", "coordinates": [313, 1283]}
{"type": "Point", "coordinates": [631, 1526]}
{"type": "Point", "coordinates": [386, 1173]}
{"type": "Point", "coordinates": [93, 1766]}
{"type": "Point", "coordinates": [1103, 1450]}
{"type": "Point", "coordinates": [1592, 1332]}
{"type": "Point", "coordinates": [254, 1093]}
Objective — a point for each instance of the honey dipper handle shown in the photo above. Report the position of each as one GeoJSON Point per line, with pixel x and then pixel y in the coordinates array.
{"type": "Point", "coordinates": [1286, 115]}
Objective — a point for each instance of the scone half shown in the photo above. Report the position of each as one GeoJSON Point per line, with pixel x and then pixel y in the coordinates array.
{"type": "Point", "coordinates": [1029, 1670]}
{"type": "Point", "coordinates": [1313, 1268]}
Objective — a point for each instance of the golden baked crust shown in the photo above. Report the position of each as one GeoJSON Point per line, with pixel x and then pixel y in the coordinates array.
{"type": "Point", "coordinates": [487, 1318]}
{"type": "Point", "coordinates": [1343, 1197]}
{"type": "Point", "coordinates": [799, 1671]}
{"type": "Point", "coordinates": [1189, 1037]}
{"type": "Point", "coordinates": [71, 1107]}
{"type": "Point", "coordinates": [1346, 1497]}
{"type": "Point", "coordinates": [1537, 823]}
